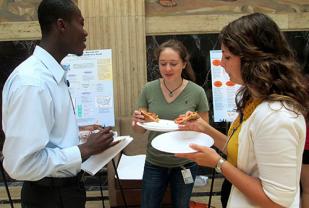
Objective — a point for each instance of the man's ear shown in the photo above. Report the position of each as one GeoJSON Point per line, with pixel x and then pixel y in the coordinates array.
{"type": "Point", "coordinates": [61, 24]}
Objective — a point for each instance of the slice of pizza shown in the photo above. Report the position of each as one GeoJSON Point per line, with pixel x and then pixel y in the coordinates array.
{"type": "Point", "coordinates": [189, 116]}
{"type": "Point", "coordinates": [150, 116]}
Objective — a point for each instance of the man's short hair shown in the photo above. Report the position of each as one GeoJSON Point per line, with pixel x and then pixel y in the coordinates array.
{"type": "Point", "coordinates": [51, 10]}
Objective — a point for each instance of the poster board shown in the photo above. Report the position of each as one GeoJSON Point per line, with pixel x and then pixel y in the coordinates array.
{"type": "Point", "coordinates": [91, 86]}
{"type": "Point", "coordinates": [223, 90]}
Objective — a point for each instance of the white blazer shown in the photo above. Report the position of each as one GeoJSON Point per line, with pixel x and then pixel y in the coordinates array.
{"type": "Point", "coordinates": [271, 144]}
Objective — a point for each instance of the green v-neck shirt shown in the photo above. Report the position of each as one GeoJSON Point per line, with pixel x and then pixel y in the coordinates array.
{"type": "Point", "coordinates": [192, 98]}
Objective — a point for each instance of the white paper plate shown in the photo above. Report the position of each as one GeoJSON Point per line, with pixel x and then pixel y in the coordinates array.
{"type": "Point", "coordinates": [163, 125]}
{"type": "Point", "coordinates": [179, 141]}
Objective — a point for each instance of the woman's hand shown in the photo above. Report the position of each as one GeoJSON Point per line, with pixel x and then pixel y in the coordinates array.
{"type": "Point", "coordinates": [199, 125]}
{"type": "Point", "coordinates": [137, 117]}
{"type": "Point", "coordinates": [205, 156]}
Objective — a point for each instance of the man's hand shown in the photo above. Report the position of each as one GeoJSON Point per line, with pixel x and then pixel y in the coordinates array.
{"type": "Point", "coordinates": [97, 142]}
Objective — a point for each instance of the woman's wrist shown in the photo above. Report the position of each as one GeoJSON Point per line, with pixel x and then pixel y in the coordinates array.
{"type": "Point", "coordinates": [133, 123]}
{"type": "Point", "coordinates": [208, 129]}
{"type": "Point", "coordinates": [136, 128]}
{"type": "Point", "coordinates": [219, 165]}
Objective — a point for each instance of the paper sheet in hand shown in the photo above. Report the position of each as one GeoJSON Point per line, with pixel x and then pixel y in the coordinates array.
{"type": "Point", "coordinates": [131, 167]}
{"type": "Point", "coordinates": [96, 162]}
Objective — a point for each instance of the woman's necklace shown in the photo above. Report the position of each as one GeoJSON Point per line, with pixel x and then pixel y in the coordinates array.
{"type": "Point", "coordinates": [171, 92]}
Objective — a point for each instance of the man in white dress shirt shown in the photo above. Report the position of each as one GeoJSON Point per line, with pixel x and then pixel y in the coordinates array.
{"type": "Point", "coordinates": [42, 140]}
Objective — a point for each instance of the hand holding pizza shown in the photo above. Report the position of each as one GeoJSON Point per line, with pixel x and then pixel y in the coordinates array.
{"type": "Point", "coordinates": [189, 116]}
{"type": "Point", "coordinates": [193, 123]}
{"type": "Point", "coordinates": [150, 116]}
{"type": "Point", "coordinates": [143, 116]}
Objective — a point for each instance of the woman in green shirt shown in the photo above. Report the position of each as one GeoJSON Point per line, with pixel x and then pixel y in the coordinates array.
{"type": "Point", "coordinates": [173, 94]}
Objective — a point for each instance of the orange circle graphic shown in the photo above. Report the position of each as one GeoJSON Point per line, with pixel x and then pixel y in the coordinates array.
{"type": "Point", "coordinates": [218, 83]}
{"type": "Point", "coordinates": [230, 83]}
{"type": "Point", "coordinates": [216, 62]}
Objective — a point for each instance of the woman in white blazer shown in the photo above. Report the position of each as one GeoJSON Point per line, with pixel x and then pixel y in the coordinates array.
{"type": "Point", "coordinates": [265, 143]}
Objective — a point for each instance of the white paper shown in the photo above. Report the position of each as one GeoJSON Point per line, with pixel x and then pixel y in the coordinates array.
{"type": "Point", "coordinates": [96, 162]}
{"type": "Point", "coordinates": [223, 90]}
{"type": "Point", "coordinates": [131, 167]}
{"type": "Point", "coordinates": [91, 86]}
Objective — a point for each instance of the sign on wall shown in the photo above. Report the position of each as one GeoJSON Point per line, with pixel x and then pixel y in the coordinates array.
{"type": "Point", "coordinates": [91, 86]}
{"type": "Point", "coordinates": [223, 90]}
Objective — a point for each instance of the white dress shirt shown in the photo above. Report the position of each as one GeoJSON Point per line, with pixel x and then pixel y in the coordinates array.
{"type": "Point", "coordinates": [41, 133]}
{"type": "Point", "coordinates": [271, 143]}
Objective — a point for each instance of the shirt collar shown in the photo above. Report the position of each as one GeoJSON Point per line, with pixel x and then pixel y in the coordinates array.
{"type": "Point", "coordinates": [50, 63]}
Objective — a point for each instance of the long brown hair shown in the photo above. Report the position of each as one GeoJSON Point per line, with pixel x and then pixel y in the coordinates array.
{"type": "Point", "coordinates": [268, 65]}
{"type": "Point", "coordinates": [187, 72]}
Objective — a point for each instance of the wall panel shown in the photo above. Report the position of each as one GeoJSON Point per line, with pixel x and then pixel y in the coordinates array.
{"type": "Point", "coordinates": [119, 25]}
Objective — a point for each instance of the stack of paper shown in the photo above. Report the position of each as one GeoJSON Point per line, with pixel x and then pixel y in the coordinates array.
{"type": "Point", "coordinates": [131, 167]}
{"type": "Point", "coordinates": [96, 162]}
